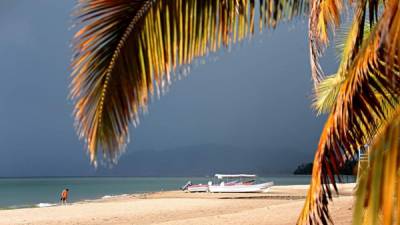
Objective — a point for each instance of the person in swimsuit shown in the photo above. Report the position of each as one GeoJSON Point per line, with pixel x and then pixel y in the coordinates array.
{"type": "Point", "coordinates": [64, 196]}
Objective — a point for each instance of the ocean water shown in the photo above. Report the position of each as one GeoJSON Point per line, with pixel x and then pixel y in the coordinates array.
{"type": "Point", "coordinates": [43, 192]}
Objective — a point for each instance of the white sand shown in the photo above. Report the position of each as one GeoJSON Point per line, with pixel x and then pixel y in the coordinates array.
{"type": "Point", "coordinates": [280, 206]}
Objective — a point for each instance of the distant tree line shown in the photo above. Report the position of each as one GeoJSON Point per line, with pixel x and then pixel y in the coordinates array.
{"type": "Point", "coordinates": [349, 168]}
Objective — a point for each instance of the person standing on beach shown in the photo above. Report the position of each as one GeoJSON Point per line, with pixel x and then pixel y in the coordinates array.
{"type": "Point", "coordinates": [64, 196]}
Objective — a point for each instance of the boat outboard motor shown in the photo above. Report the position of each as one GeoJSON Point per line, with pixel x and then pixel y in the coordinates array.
{"type": "Point", "coordinates": [184, 187]}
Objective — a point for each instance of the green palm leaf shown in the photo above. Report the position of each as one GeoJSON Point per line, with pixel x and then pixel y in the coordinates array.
{"type": "Point", "coordinates": [326, 93]}
{"type": "Point", "coordinates": [348, 43]}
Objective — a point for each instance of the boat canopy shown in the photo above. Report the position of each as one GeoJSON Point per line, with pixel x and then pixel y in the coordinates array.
{"type": "Point", "coordinates": [222, 176]}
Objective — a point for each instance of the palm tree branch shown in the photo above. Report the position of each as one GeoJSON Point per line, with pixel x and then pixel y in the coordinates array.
{"type": "Point", "coordinates": [379, 183]}
{"type": "Point", "coordinates": [325, 15]}
{"type": "Point", "coordinates": [327, 90]}
{"type": "Point", "coordinates": [357, 115]}
{"type": "Point", "coordinates": [126, 49]}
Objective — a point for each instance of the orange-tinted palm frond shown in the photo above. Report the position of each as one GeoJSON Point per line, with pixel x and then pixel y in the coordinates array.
{"type": "Point", "coordinates": [323, 14]}
{"type": "Point", "coordinates": [365, 99]}
{"type": "Point", "coordinates": [377, 196]}
{"type": "Point", "coordinates": [127, 49]}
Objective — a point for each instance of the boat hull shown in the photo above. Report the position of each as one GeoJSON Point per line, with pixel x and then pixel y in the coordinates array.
{"type": "Point", "coordinates": [198, 188]}
{"type": "Point", "coordinates": [240, 188]}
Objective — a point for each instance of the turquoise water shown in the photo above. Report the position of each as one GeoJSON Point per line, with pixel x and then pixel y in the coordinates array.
{"type": "Point", "coordinates": [30, 192]}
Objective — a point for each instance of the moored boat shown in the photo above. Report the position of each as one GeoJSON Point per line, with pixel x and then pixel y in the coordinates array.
{"type": "Point", "coordinates": [230, 183]}
{"type": "Point", "coordinates": [198, 188]}
{"type": "Point", "coordinates": [195, 187]}
{"type": "Point", "coordinates": [243, 183]}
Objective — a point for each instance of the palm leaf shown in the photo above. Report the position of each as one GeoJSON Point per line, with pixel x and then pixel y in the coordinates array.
{"type": "Point", "coordinates": [326, 93]}
{"type": "Point", "coordinates": [327, 90]}
{"type": "Point", "coordinates": [378, 188]}
{"type": "Point", "coordinates": [325, 15]}
{"type": "Point", "coordinates": [365, 99]}
{"type": "Point", "coordinates": [127, 50]}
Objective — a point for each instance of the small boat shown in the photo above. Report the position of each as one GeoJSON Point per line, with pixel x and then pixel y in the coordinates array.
{"type": "Point", "coordinates": [198, 188]}
{"type": "Point", "coordinates": [195, 187]}
{"type": "Point", "coordinates": [243, 183]}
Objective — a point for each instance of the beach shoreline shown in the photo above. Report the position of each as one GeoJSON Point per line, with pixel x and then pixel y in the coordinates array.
{"type": "Point", "coordinates": [281, 205]}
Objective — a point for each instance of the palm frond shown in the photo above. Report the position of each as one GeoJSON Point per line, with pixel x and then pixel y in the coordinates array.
{"type": "Point", "coordinates": [327, 90]}
{"type": "Point", "coordinates": [379, 186]}
{"type": "Point", "coordinates": [342, 37]}
{"type": "Point", "coordinates": [326, 93]}
{"type": "Point", "coordinates": [325, 15]}
{"type": "Point", "coordinates": [127, 49]}
{"type": "Point", "coordinates": [365, 99]}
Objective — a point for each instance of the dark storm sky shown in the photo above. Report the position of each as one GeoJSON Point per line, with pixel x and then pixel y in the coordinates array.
{"type": "Point", "coordinates": [256, 96]}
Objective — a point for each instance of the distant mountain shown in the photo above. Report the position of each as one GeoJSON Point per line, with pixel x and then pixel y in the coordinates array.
{"type": "Point", "coordinates": [205, 160]}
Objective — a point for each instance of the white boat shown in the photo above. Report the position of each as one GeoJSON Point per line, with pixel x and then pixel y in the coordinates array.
{"type": "Point", "coordinates": [198, 188]}
{"type": "Point", "coordinates": [243, 183]}
{"type": "Point", "coordinates": [195, 187]}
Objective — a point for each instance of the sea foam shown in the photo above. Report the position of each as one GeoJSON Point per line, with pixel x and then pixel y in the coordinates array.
{"type": "Point", "coordinates": [113, 196]}
{"type": "Point", "coordinates": [43, 205]}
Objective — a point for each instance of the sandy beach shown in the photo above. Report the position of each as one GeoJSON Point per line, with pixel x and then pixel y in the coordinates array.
{"type": "Point", "coordinates": [279, 206]}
